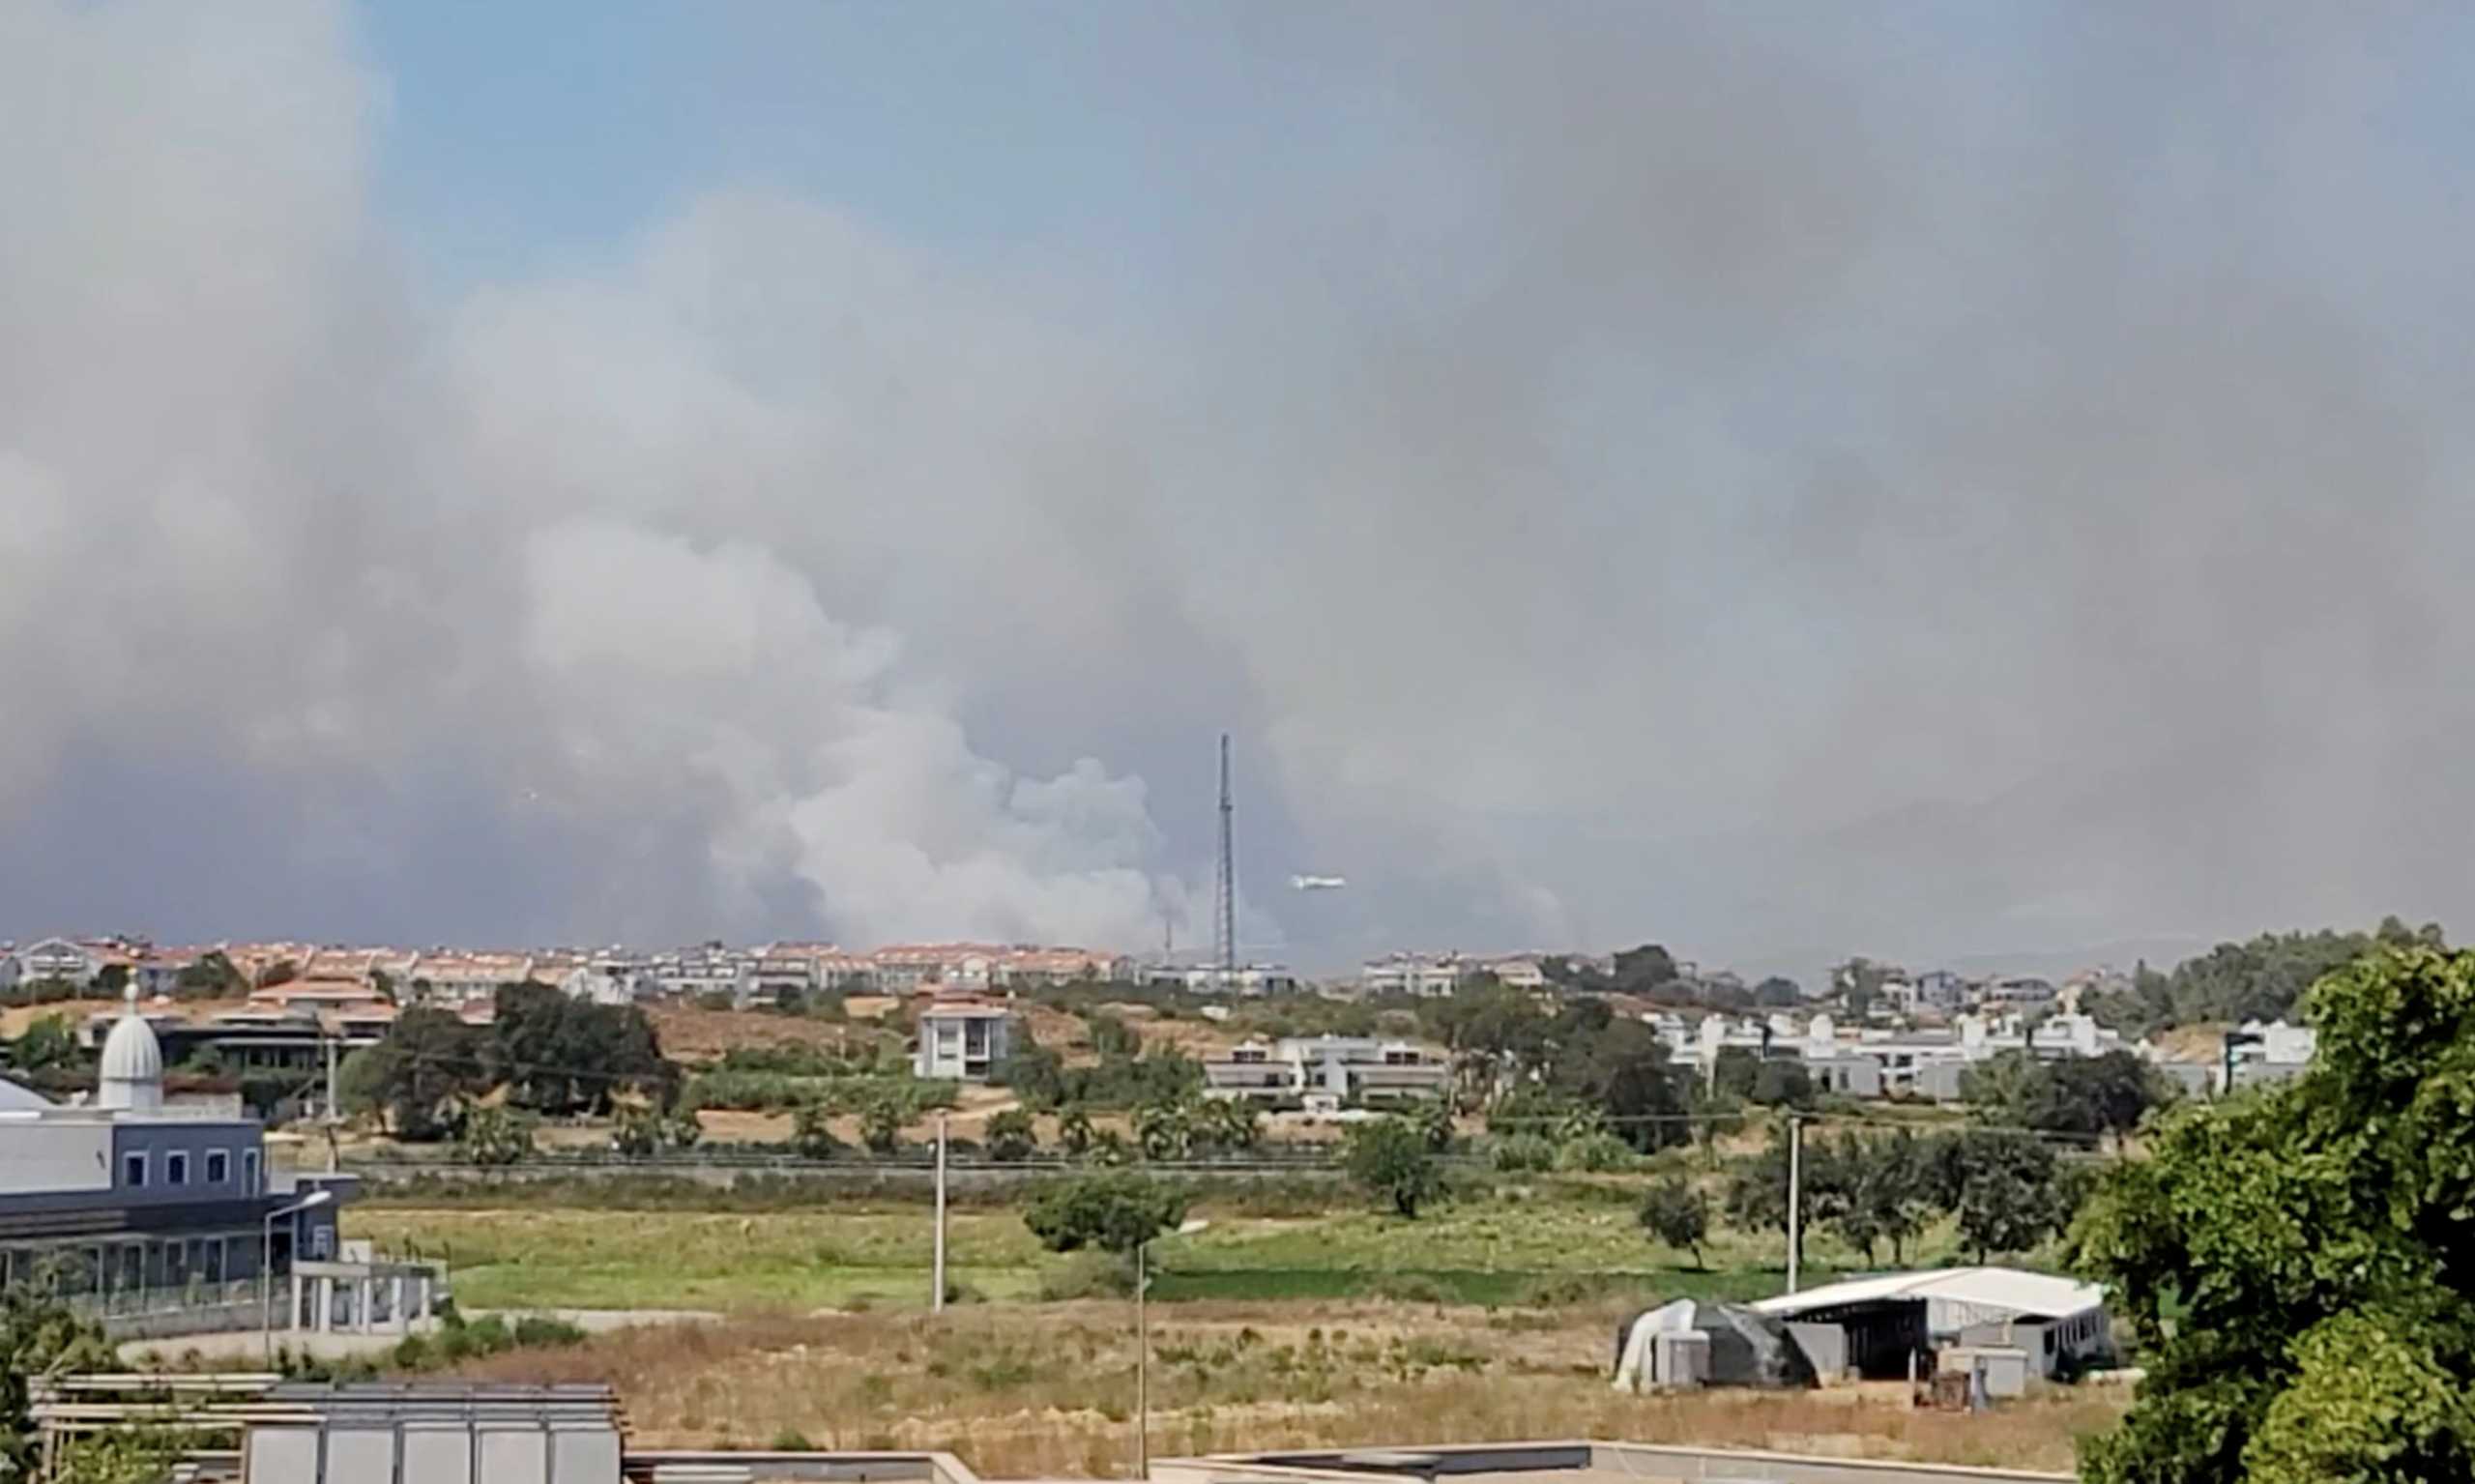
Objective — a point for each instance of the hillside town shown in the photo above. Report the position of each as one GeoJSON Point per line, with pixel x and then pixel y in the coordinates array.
{"type": "Point", "coordinates": [1876, 1031]}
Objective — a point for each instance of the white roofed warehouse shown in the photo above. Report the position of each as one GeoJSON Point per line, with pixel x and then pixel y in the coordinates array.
{"type": "Point", "coordinates": [2060, 1323]}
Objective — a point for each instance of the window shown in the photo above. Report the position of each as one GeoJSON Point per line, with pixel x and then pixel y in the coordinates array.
{"type": "Point", "coordinates": [322, 1243]}
{"type": "Point", "coordinates": [249, 1172]}
{"type": "Point", "coordinates": [176, 1168]}
{"type": "Point", "coordinates": [132, 1170]}
{"type": "Point", "coordinates": [219, 1166]}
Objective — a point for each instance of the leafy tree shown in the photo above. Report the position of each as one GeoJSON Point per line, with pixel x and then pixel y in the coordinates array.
{"type": "Point", "coordinates": [1623, 1069]}
{"type": "Point", "coordinates": [812, 1133]}
{"type": "Point", "coordinates": [2262, 979]}
{"type": "Point", "coordinates": [140, 1453]}
{"type": "Point", "coordinates": [2004, 1186]}
{"type": "Point", "coordinates": [560, 1055]}
{"type": "Point", "coordinates": [1638, 970]}
{"type": "Point", "coordinates": [41, 1339]}
{"type": "Point", "coordinates": [1881, 1190]}
{"type": "Point", "coordinates": [50, 1042]}
{"type": "Point", "coordinates": [1757, 1193]}
{"type": "Point", "coordinates": [642, 1131]}
{"type": "Point", "coordinates": [1388, 1157]}
{"type": "Point", "coordinates": [429, 1062]}
{"type": "Point", "coordinates": [1114, 1213]}
{"type": "Point", "coordinates": [2311, 1239]}
{"type": "Point", "coordinates": [209, 975]}
{"type": "Point", "coordinates": [881, 1121]}
{"type": "Point", "coordinates": [361, 1081]}
{"type": "Point", "coordinates": [2090, 1095]}
{"type": "Point", "coordinates": [1110, 1037]}
{"type": "Point", "coordinates": [1781, 1083]}
{"type": "Point", "coordinates": [1012, 1135]}
{"type": "Point", "coordinates": [1232, 1124]}
{"type": "Point", "coordinates": [1165, 1130]}
{"type": "Point", "coordinates": [1778, 993]}
{"type": "Point", "coordinates": [1677, 1213]}
{"type": "Point", "coordinates": [1035, 1074]}
{"type": "Point", "coordinates": [495, 1136]}
{"type": "Point", "coordinates": [1074, 1129]}
{"type": "Point", "coordinates": [1435, 1126]}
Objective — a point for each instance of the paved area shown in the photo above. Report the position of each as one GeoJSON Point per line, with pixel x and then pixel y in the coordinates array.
{"type": "Point", "coordinates": [247, 1346]}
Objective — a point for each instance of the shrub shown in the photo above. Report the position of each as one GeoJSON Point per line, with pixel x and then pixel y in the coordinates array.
{"type": "Point", "coordinates": [1523, 1152]}
{"type": "Point", "coordinates": [541, 1330]}
{"type": "Point", "coordinates": [1594, 1151]}
{"type": "Point", "coordinates": [1677, 1213]}
{"type": "Point", "coordinates": [1012, 1136]}
{"type": "Point", "coordinates": [1114, 1212]}
{"type": "Point", "coordinates": [1390, 1158]}
{"type": "Point", "coordinates": [810, 1136]}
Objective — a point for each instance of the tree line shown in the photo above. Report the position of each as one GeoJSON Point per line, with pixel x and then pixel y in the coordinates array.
{"type": "Point", "coordinates": [2260, 979]}
{"type": "Point", "coordinates": [545, 1051]}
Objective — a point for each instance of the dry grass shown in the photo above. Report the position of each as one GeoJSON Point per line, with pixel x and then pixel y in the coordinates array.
{"type": "Point", "coordinates": [693, 1034]}
{"type": "Point", "coordinates": [1024, 1391]}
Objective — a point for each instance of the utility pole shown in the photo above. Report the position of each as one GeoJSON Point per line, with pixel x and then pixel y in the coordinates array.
{"type": "Point", "coordinates": [937, 1301]}
{"type": "Point", "coordinates": [1142, 1362]}
{"type": "Point", "coordinates": [1795, 1193]}
{"type": "Point", "coordinates": [335, 1103]}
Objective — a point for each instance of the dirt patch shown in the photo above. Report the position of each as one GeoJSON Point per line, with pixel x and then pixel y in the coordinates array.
{"type": "Point", "coordinates": [693, 1034]}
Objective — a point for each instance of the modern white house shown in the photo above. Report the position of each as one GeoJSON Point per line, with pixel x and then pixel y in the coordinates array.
{"type": "Point", "coordinates": [1427, 975]}
{"type": "Point", "coordinates": [1326, 1070]}
{"type": "Point", "coordinates": [1243, 980]}
{"type": "Point", "coordinates": [963, 1040]}
{"type": "Point", "coordinates": [56, 958]}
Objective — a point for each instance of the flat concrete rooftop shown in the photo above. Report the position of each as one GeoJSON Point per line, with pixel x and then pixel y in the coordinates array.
{"type": "Point", "coordinates": [1571, 1462]}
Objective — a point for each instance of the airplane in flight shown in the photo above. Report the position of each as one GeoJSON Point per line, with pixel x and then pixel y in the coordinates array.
{"type": "Point", "coordinates": [1318, 883]}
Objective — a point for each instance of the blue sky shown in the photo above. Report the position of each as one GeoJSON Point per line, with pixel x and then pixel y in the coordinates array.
{"type": "Point", "coordinates": [519, 134]}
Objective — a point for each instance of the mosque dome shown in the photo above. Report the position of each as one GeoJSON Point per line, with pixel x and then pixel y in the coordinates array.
{"type": "Point", "coordinates": [132, 1074]}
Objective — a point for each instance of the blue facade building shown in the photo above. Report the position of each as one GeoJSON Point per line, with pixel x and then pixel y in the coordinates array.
{"type": "Point", "coordinates": [136, 1209]}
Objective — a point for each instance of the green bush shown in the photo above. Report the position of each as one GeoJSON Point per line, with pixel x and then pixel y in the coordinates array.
{"type": "Point", "coordinates": [1114, 1212]}
{"type": "Point", "coordinates": [1516, 1154]}
{"type": "Point", "coordinates": [540, 1330]}
{"type": "Point", "coordinates": [1594, 1152]}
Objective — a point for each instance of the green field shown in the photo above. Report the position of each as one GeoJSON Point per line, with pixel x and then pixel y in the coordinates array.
{"type": "Point", "coordinates": [1553, 1245]}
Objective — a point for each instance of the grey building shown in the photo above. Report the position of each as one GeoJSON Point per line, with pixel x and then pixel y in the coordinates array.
{"type": "Point", "coordinates": [141, 1211]}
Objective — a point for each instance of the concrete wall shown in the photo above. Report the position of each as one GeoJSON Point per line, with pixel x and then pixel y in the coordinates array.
{"type": "Point", "coordinates": [42, 1156]}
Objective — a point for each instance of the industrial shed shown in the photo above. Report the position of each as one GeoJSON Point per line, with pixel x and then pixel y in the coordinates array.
{"type": "Point", "coordinates": [2059, 1323]}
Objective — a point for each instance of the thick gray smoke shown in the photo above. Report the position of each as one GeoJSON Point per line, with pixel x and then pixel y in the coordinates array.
{"type": "Point", "coordinates": [1928, 481]}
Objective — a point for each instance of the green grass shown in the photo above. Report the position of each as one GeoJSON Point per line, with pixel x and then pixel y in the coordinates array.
{"type": "Point", "coordinates": [570, 1259]}
{"type": "Point", "coordinates": [1554, 1245]}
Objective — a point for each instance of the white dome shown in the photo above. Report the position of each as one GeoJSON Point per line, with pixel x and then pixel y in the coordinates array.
{"type": "Point", "coordinates": [20, 1099]}
{"type": "Point", "coordinates": [133, 1075]}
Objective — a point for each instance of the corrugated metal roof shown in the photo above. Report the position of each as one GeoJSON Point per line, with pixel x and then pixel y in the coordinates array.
{"type": "Point", "coordinates": [1993, 1290]}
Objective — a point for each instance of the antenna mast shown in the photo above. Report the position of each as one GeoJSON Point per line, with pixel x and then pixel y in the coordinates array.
{"type": "Point", "coordinates": [1224, 905]}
